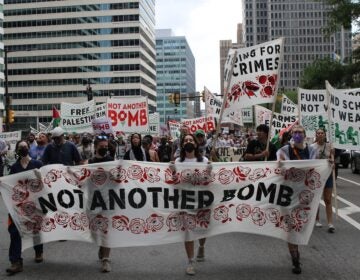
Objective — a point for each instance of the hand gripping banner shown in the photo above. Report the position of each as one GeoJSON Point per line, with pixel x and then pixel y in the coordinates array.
{"type": "Point", "coordinates": [128, 203]}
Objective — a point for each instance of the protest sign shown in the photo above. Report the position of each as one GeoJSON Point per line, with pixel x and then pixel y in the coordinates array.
{"type": "Point", "coordinates": [174, 127]}
{"type": "Point", "coordinates": [207, 124]}
{"type": "Point", "coordinates": [77, 117]}
{"type": "Point", "coordinates": [288, 107]}
{"type": "Point", "coordinates": [255, 76]}
{"type": "Point", "coordinates": [11, 138]}
{"type": "Point", "coordinates": [313, 110]}
{"type": "Point", "coordinates": [129, 113]}
{"type": "Point", "coordinates": [230, 154]}
{"type": "Point", "coordinates": [102, 125]}
{"type": "Point", "coordinates": [100, 110]}
{"type": "Point", "coordinates": [345, 118]}
{"type": "Point", "coordinates": [128, 203]}
{"type": "Point", "coordinates": [154, 124]}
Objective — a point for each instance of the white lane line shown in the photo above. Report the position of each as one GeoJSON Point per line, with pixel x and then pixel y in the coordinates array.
{"type": "Point", "coordinates": [347, 180]}
{"type": "Point", "coordinates": [350, 209]}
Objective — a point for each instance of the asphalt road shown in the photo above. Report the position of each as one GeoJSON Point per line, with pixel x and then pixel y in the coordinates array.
{"type": "Point", "coordinates": [229, 256]}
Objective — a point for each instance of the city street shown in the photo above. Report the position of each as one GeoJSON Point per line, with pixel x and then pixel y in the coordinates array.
{"type": "Point", "coordinates": [230, 256]}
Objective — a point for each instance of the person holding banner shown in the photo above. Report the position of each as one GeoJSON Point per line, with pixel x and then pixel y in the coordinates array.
{"type": "Point", "coordinates": [101, 150]}
{"type": "Point", "coordinates": [324, 151]}
{"type": "Point", "coordinates": [256, 149]}
{"type": "Point", "coordinates": [23, 163]}
{"type": "Point", "coordinates": [136, 152]}
{"type": "Point", "coordinates": [189, 152]}
{"type": "Point", "coordinates": [297, 150]}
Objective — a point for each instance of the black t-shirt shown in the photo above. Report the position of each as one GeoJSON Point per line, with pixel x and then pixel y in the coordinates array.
{"type": "Point", "coordinates": [17, 167]}
{"type": "Point", "coordinates": [103, 159]}
{"type": "Point", "coordinates": [66, 154]}
{"type": "Point", "coordinates": [256, 147]}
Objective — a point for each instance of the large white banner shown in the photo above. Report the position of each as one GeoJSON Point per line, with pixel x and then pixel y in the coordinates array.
{"type": "Point", "coordinates": [77, 117]}
{"type": "Point", "coordinates": [128, 203]}
{"type": "Point", "coordinates": [313, 110]}
{"type": "Point", "coordinates": [129, 113]}
{"type": "Point", "coordinates": [207, 124]}
{"type": "Point", "coordinates": [344, 108]}
{"type": "Point", "coordinates": [288, 107]}
{"type": "Point", "coordinates": [255, 76]}
{"type": "Point", "coordinates": [279, 121]}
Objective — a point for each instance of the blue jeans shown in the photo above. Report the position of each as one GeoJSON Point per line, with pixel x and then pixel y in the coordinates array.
{"type": "Point", "coordinates": [15, 244]}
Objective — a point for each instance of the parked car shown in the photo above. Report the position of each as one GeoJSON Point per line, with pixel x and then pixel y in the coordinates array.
{"type": "Point", "coordinates": [355, 161]}
{"type": "Point", "coordinates": [345, 158]}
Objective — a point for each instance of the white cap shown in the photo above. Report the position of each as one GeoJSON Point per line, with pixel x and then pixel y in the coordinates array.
{"type": "Point", "coordinates": [57, 131]}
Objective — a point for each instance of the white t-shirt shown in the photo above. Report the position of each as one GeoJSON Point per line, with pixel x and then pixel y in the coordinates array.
{"type": "Point", "coordinates": [321, 151]}
{"type": "Point", "coordinates": [205, 159]}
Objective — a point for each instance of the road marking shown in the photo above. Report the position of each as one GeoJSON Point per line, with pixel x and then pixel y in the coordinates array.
{"type": "Point", "coordinates": [348, 210]}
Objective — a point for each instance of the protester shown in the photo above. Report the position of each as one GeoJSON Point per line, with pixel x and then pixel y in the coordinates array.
{"type": "Point", "coordinates": [324, 151]}
{"type": "Point", "coordinates": [190, 153]}
{"type": "Point", "coordinates": [256, 149]}
{"type": "Point", "coordinates": [3, 152]}
{"type": "Point", "coordinates": [76, 139]}
{"type": "Point", "coordinates": [86, 148]}
{"type": "Point", "coordinates": [147, 145]}
{"type": "Point", "coordinates": [136, 152]}
{"type": "Point", "coordinates": [101, 148]}
{"type": "Point", "coordinates": [226, 141]}
{"type": "Point", "coordinates": [298, 150]}
{"type": "Point", "coordinates": [201, 139]}
{"type": "Point", "coordinates": [37, 151]}
{"type": "Point", "coordinates": [31, 139]}
{"type": "Point", "coordinates": [164, 150]}
{"type": "Point", "coordinates": [60, 150]}
{"type": "Point", "coordinates": [176, 144]}
{"type": "Point", "coordinates": [23, 163]}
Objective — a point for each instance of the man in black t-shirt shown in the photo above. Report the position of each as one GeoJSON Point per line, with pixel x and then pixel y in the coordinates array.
{"type": "Point", "coordinates": [256, 149]}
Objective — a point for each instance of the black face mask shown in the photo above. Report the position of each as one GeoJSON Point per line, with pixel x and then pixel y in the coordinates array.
{"type": "Point", "coordinates": [57, 141]}
{"type": "Point", "coordinates": [23, 151]}
{"type": "Point", "coordinates": [102, 151]}
{"type": "Point", "coordinates": [189, 147]}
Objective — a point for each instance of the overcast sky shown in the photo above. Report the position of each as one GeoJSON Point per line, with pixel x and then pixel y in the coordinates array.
{"type": "Point", "coordinates": [204, 23]}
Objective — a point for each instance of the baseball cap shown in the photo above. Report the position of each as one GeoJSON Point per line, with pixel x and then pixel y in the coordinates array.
{"type": "Point", "coordinates": [57, 131]}
{"type": "Point", "coordinates": [199, 132]}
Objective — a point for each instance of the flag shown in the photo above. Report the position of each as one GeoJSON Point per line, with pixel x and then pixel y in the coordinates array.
{"type": "Point", "coordinates": [277, 138]}
{"type": "Point", "coordinates": [56, 117]}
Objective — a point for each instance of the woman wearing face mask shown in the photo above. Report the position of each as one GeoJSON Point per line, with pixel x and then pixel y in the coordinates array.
{"type": "Point", "coordinates": [136, 152]}
{"type": "Point", "coordinates": [296, 150]}
{"type": "Point", "coordinates": [23, 163]}
{"type": "Point", "coordinates": [189, 152]}
{"type": "Point", "coordinates": [101, 148]}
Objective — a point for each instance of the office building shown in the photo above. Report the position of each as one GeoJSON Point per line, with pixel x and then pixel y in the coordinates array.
{"type": "Point", "coordinates": [2, 90]}
{"type": "Point", "coordinates": [175, 73]}
{"type": "Point", "coordinates": [66, 51]}
{"type": "Point", "coordinates": [301, 23]}
{"type": "Point", "coordinates": [225, 45]}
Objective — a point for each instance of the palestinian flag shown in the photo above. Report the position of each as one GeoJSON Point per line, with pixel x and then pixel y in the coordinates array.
{"type": "Point", "coordinates": [55, 117]}
{"type": "Point", "coordinates": [277, 138]}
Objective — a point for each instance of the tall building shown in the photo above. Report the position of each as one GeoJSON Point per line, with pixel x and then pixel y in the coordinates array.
{"type": "Point", "coordinates": [63, 50]}
{"type": "Point", "coordinates": [301, 23]}
{"type": "Point", "coordinates": [175, 73]}
{"type": "Point", "coordinates": [225, 45]}
{"type": "Point", "coordinates": [1, 63]}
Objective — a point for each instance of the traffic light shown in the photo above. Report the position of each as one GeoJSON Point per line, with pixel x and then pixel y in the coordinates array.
{"type": "Point", "coordinates": [171, 98]}
{"type": "Point", "coordinates": [203, 96]}
{"type": "Point", "coordinates": [11, 116]}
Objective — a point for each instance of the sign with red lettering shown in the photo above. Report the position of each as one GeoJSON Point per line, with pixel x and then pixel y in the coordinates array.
{"type": "Point", "coordinates": [102, 125]}
{"type": "Point", "coordinates": [128, 113]}
{"type": "Point", "coordinates": [205, 123]}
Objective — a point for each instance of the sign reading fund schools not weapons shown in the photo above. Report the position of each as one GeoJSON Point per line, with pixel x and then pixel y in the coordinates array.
{"type": "Point", "coordinates": [255, 75]}
{"type": "Point", "coordinates": [128, 114]}
{"type": "Point", "coordinates": [128, 203]}
{"type": "Point", "coordinates": [344, 109]}
{"type": "Point", "coordinates": [288, 107]}
{"type": "Point", "coordinates": [77, 117]}
{"type": "Point", "coordinates": [313, 110]}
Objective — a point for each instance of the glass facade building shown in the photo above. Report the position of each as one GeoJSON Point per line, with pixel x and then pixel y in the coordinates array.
{"type": "Point", "coordinates": [2, 91]}
{"type": "Point", "coordinates": [57, 49]}
{"type": "Point", "coordinates": [301, 23]}
{"type": "Point", "coordinates": [175, 72]}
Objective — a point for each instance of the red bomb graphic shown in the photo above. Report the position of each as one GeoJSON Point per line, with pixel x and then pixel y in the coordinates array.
{"type": "Point", "coordinates": [225, 176]}
{"type": "Point", "coordinates": [20, 193]}
{"type": "Point", "coordinates": [52, 177]}
{"type": "Point", "coordinates": [27, 208]}
{"type": "Point", "coordinates": [118, 175]}
{"type": "Point", "coordinates": [154, 223]}
{"type": "Point", "coordinates": [99, 223]}
{"type": "Point", "coordinates": [62, 219]}
{"type": "Point", "coordinates": [138, 226]}
{"type": "Point", "coordinates": [79, 222]}
{"type": "Point", "coordinates": [203, 218]}
{"type": "Point", "coordinates": [243, 211]}
{"type": "Point", "coordinates": [312, 179]}
{"type": "Point", "coordinates": [35, 185]}
{"type": "Point", "coordinates": [120, 222]}
{"type": "Point", "coordinates": [48, 224]}
{"type": "Point", "coordinates": [258, 216]}
{"type": "Point", "coordinates": [98, 177]}
{"type": "Point", "coordinates": [306, 197]}
{"type": "Point", "coordinates": [135, 172]}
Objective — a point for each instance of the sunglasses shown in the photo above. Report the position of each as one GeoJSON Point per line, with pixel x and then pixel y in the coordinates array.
{"type": "Point", "coordinates": [102, 137]}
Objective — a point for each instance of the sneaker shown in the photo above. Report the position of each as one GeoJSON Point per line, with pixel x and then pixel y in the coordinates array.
{"type": "Point", "coordinates": [190, 270]}
{"type": "Point", "coordinates": [200, 254]}
{"type": "Point", "coordinates": [331, 228]}
{"type": "Point", "coordinates": [39, 257]}
{"type": "Point", "coordinates": [105, 265]}
{"type": "Point", "coordinates": [318, 224]}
